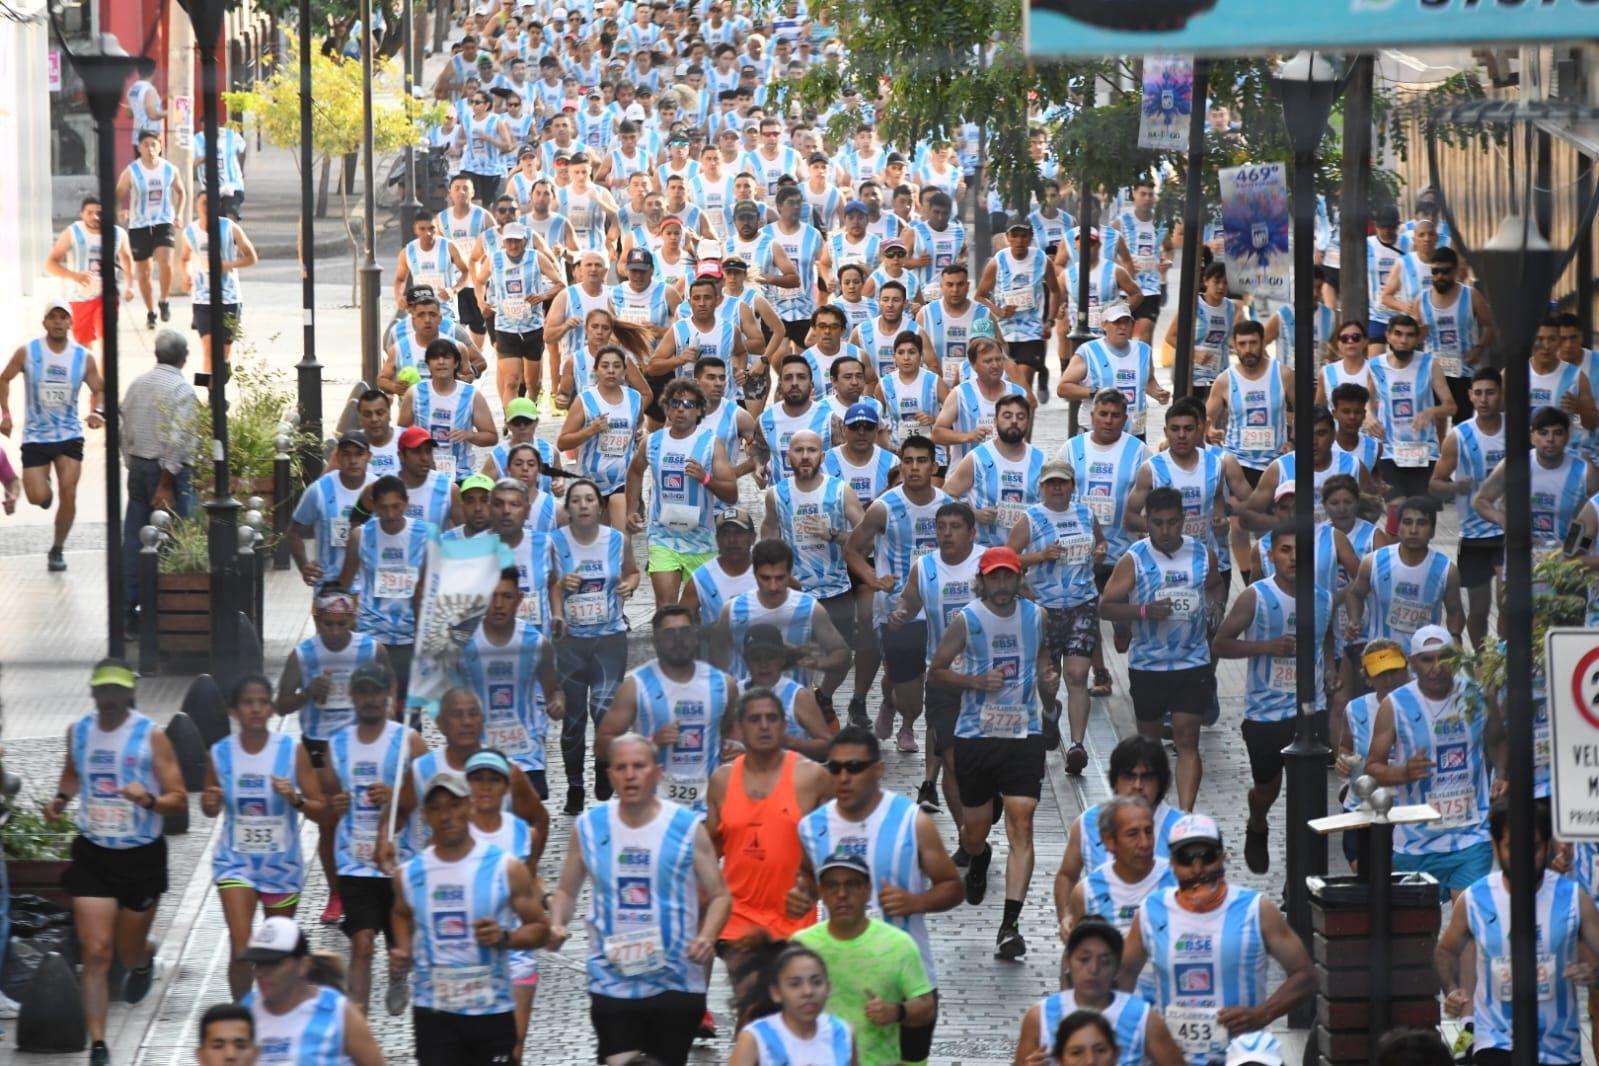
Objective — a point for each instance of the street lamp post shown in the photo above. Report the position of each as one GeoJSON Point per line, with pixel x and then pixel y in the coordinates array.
{"type": "Point", "coordinates": [308, 371]}
{"type": "Point", "coordinates": [413, 204]}
{"type": "Point", "coordinates": [222, 509]}
{"type": "Point", "coordinates": [105, 75]}
{"type": "Point", "coordinates": [1516, 269]}
{"type": "Point", "coordinates": [1308, 85]}
{"type": "Point", "coordinates": [371, 273]}
{"type": "Point", "coordinates": [1182, 373]}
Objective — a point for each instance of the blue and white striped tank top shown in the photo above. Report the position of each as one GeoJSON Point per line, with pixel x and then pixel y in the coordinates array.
{"type": "Point", "coordinates": [260, 839]}
{"type": "Point", "coordinates": [453, 972]}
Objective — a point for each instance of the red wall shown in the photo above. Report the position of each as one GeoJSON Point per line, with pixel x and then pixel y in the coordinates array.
{"type": "Point", "coordinates": [140, 28]}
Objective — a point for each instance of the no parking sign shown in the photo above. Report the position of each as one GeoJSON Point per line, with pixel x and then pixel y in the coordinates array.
{"type": "Point", "coordinates": [1572, 656]}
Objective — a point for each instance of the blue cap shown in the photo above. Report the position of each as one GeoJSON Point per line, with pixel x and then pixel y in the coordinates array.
{"type": "Point", "coordinates": [856, 207]}
{"type": "Point", "coordinates": [861, 412]}
{"type": "Point", "coordinates": [488, 760]}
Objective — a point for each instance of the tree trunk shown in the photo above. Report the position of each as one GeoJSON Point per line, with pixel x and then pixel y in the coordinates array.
{"type": "Point", "coordinates": [355, 248]}
{"type": "Point", "coordinates": [322, 188]}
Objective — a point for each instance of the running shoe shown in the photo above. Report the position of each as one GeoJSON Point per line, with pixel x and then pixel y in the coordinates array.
{"type": "Point", "coordinates": [1076, 759]}
{"type": "Point", "coordinates": [149, 323]}
{"type": "Point", "coordinates": [883, 726]}
{"type": "Point", "coordinates": [99, 1054]}
{"type": "Point", "coordinates": [927, 797]}
{"type": "Point", "coordinates": [55, 562]}
{"type": "Point", "coordinates": [333, 913]}
{"type": "Point", "coordinates": [574, 800]}
{"type": "Point", "coordinates": [1256, 854]}
{"type": "Point", "coordinates": [976, 877]}
{"type": "Point", "coordinates": [907, 740]}
{"type": "Point", "coordinates": [857, 712]}
{"type": "Point", "coordinates": [9, 1008]}
{"type": "Point", "coordinates": [707, 1029]}
{"type": "Point", "coordinates": [138, 981]}
{"type": "Point", "coordinates": [1102, 683]}
{"type": "Point", "coordinates": [398, 996]}
{"type": "Point", "coordinates": [1009, 944]}
{"type": "Point", "coordinates": [166, 311]}
{"type": "Point", "coordinates": [1051, 727]}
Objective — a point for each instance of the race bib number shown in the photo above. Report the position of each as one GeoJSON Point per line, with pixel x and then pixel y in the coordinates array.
{"type": "Point", "coordinates": [1003, 720]}
{"type": "Point", "coordinates": [679, 517]}
{"type": "Point", "coordinates": [685, 789]}
{"type": "Point", "coordinates": [514, 307]}
{"type": "Point", "coordinates": [338, 691]}
{"type": "Point", "coordinates": [395, 582]}
{"type": "Point", "coordinates": [1257, 438]}
{"type": "Point", "coordinates": [1407, 616]}
{"type": "Point", "coordinates": [952, 365]}
{"type": "Point", "coordinates": [1195, 1030]}
{"type": "Point", "coordinates": [1284, 675]}
{"type": "Point", "coordinates": [812, 530]}
{"type": "Point", "coordinates": [259, 835]}
{"type": "Point", "coordinates": [1504, 989]}
{"type": "Point", "coordinates": [55, 395]}
{"type": "Point", "coordinates": [505, 730]}
{"type": "Point", "coordinates": [1457, 804]}
{"type": "Point", "coordinates": [1138, 420]}
{"type": "Point", "coordinates": [462, 989]}
{"type": "Point", "coordinates": [1185, 602]}
{"type": "Point", "coordinates": [1450, 363]}
{"type": "Point", "coordinates": [1020, 298]}
{"type": "Point", "coordinates": [1196, 527]}
{"type": "Point", "coordinates": [1102, 505]}
{"type": "Point", "coordinates": [339, 532]}
{"type": "Point", "coordinates": [1411, 453]}
{"type": "Point", "coordinates": [614, 441]}
{"type": "Point", "coordinates": [530, 610]}
{"type": "Point", "coordinates": [587, 608]}
{"type": "Point", "coordinates": [637, 314]}
{"type": "Point", "coordinates": [1009, 513]}
{"type": "Point", "coordinates": [110, 817]}
{"type": "Point", "coordinates": [1079, 549]}
{"type": "Point", "coordinates": [363, 845]}
{"type": "Point", "coordinates": [444, 462]}
{"type": "Point", "coordinates": [433, 279]}
{"type": "Point", "coordinates": [637, 952]}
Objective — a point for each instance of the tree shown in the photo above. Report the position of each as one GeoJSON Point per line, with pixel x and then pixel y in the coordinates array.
{"type": "Point", "coordinates": [336, 118]}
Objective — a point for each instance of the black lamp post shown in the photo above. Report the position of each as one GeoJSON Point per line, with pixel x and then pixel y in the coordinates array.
{"type": "Point", "coordinates": [105, 77]}
{"type": "Point", "coordinates": [413, 204]}
{"type": "Point", "coordinates": [1307, 84]}
{"type": "Point", "coordinates": [1516, 270]}
{"type": "Point", "coordinates": [222, 509]}
{"type": "Point", "coordinates": [371, 273]}
{"type": "Point", "coordinates": [308, 371]}
{"type": "Point", "coordinates": [1182, 373]}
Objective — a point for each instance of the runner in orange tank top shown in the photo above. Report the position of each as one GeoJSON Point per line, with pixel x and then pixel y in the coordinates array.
{"type": "Point", "coordinates": [752, 808]}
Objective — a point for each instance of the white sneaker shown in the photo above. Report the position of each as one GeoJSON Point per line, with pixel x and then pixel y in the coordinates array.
{"type": "Point", "coordinates": [9, 1008]}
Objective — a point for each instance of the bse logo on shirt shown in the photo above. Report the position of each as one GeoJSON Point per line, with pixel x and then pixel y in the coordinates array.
{"type": "Point", "coordinates": [1452, 758]}
{"type": "Point", "coordinates": [1407, 590]}
{"type": "Point", "coordinates": [104, 785]}
{"type": "Point", "coordinates": [671, 481]}
{"type": "Point", "coordinates": [1192, 944]}
{"type": "Point", "coordinates": [1194, 979]}
{"type": "Point", "coordinates": [633, 858]}
{"type": "Point", "coordinates": [633, 893]}
{"type": "Point", "coordinates": [103, 760]}
{"type": "Point", "coordinates": [275, 1048]}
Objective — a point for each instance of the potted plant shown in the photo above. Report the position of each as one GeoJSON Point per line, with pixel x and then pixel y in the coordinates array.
{"type": "Point", "coordinates": [183, 588]}
{"type": "Point", "coordinates": [258, 397]}
{"type": "Point", "coordinates": [36, 849]}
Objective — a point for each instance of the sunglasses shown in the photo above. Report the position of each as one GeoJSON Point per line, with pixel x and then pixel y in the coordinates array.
{"type": "Point", "coordinates": [1190, 856]}
{"type": "Point", "coordinates": [853, 766]}
{"type": "Point", "coordinates": [1351, 337]}
{"type": "Point", "coordinates": [685, 404]}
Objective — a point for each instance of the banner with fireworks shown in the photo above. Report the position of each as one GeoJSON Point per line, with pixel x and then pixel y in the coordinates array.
{"type": "Point", "coordinates": [1255, 227]}
{"type": "Point", "coordinates": [1168, 102]}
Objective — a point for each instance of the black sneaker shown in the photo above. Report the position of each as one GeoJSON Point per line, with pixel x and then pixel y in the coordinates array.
{"type": "Point", "coordinates": [55, 562]}
{"type": "Point", "coordinates": [857, 712]}
{"type": "Point", "coordinates": [99, 1054]}
{"type": "Point", "coordinates": [1043, 384]}
{"type": "Point", "coordinates": [1076, 759]}
{"type": "Point", "coordinates": [398, 997]}
{"type": "Point", "coordinates": [927, 797]}
{"type": "Point", "coordinates": [574, 800]}
{"type": "Point", "coordinates": [149, 320]}
{"type": "Point", "coordinates": [1009, 944]}
{"type": "Point", "coordinates": [1051, 726]}
{"type": "Point", "coordinates": [962, 857]}
{"type": "Point", "coordinates": [166, 311]}
{"type": "Point", "coordinates": [1256, 854]}
{"type": "Point", "coordinates": [137, 984]}
{"type": "Point", "coordinates": [977, 877]}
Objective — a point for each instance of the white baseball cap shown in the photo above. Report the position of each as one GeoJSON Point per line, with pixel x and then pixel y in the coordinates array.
{"type": "Point", "coordinates": [1115, 312]}
{"type": "Point", "coordinates": [513, 231]}
{"type": "Point", "coordinates": [1191, 828]}
{"type": "Point", "coordinates": [1430, 638]}
{"type": "Point", "coordinates": [275, 939]}
{"type": "Point", "coordinates": [1263, 1049]}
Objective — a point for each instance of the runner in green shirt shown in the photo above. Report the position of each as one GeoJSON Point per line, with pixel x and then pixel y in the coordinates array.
{"type": "Point", "coordinates": [878, 979]}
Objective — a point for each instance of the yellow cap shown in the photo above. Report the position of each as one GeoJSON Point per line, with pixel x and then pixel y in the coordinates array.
{"type": "Point", "coordinates": [112, 674]}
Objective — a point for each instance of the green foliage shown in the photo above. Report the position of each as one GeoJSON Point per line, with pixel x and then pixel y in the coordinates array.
{"type": "Point", "coordinates": [1395, 114]}
{"type": "Point", "coordinates": [1560, 598]}
{"type": "Point", "coordinates": [187, 549]}
{"type": "Point", "coordinates": [258, 397]}
{"type": "Point", "coordinates": [31, 834]}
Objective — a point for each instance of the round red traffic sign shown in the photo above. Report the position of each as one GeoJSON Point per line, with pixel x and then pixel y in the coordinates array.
{"type": "Point", "coordinates": [1585, 687]}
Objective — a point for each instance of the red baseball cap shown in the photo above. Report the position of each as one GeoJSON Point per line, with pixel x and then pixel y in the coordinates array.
{"type": "Point", "coordinates": [710, 268]}
{"type": "Point", "coordinates": [1000, 558]}
{"type": "Point", "coordinates": [415, 437]}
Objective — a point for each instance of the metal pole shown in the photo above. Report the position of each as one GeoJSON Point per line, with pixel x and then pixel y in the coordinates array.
{"type": "Point", "coordinates": [371, 273]}
{"type": "Point", "coordinates": [103, 80]}
{"type": "Point", "coordinates": [1356, 206]}
{"type": "Point", "coordinates": [1379, 872]}
{"type": "Point", "coordinates": [308, 371]}
{"type": "Point", "coordinates": [149, 590]}
{"type": "Point", "coordinates": [222, 508]}
{"type": "Point", "coordinates": [1193, 194]}
{"type": "Point", "coordinates": [1585, 183]}
{"type": "Point", "coordinates": [1080, 334]}
{"type": "Point", "coordinates": [413, 204]}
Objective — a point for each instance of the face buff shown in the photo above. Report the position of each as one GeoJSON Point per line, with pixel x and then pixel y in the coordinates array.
{"type": "Point", "coordinates": [1203, 892]}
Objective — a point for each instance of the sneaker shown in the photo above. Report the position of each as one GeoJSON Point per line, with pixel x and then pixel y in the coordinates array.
{"type": "Point", "coordinates": [1256, 854]}
{"type": "Point", "coordinates": [398, 996]}
{"type": "Point", "coordinates": [149, 323]}
{"type": "Point", "coordinates": [707, 1029]}
{"type": "Point", "coordinates": [9, 1008]}
{"type": "Point", "coordinates": [1076, 758]}
{"type": "Point", "coordinates": [825, 703]}
{"type": "Point", "coordinates": [1009, 944]}
{"type": "Point", "coordinates": [927, 797]}
{"type": "Point", "coordinates": [138, 981]}
{"type": "Point", "coordinates": [962, 857]}
{"type": "Point", "coordinates": [857, 712]}
{"type": "Point", "coordinates": [883, 726]}
{"type": "Point", "coordinates": [1051, 727]}
{"type": "Point", "coordinates": [907, 740]}
{"type": "Point", "coordinates": [1043, 385]}
{"type": "Point", "coordinates": [333, 913]}
{"type": "Point", "coordinates": [1102, 683]}
{"type": "Point", "coordinates": [977, 877]}
{"type": "Point", "coordinates": [55, 562]}
{"type": "Point", "coordinates": [99, 1054]}
{"type": "Point", "coordinates": [166, 311]}
{"type": "Point", "coordinates": [574, 800]}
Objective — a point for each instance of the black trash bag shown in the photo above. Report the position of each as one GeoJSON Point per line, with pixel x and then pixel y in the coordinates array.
{"type": "Point", "coordinates": [52, 1011]}
{"type": "Point", "coordinates": [31, 914]}
{"type": "Point", "coordinates": [24, 954]}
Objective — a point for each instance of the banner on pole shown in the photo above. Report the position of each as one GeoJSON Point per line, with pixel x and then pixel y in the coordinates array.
{"type": "Point", "coordinates": [180, 122]}
{"type": "Point", "coordinates": [1168, 103]}
{"type": "Point", "coordinates": [1255, 227]}
{"type": "Point", "coordinates": [52, 70]}
{"type": "Point", "coordinates": [1236, 27]}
